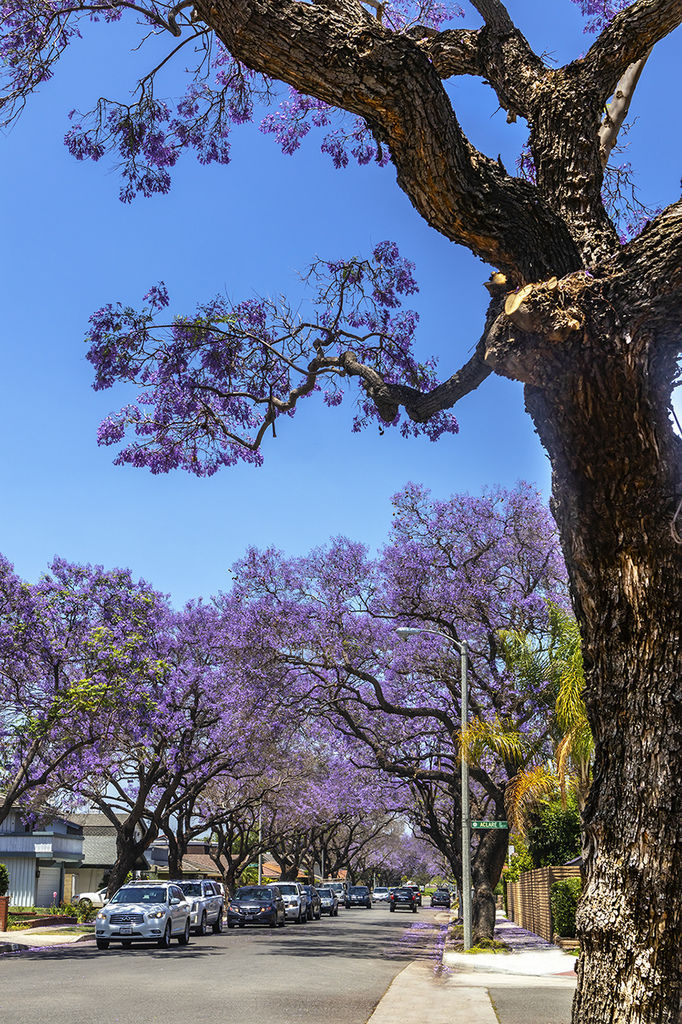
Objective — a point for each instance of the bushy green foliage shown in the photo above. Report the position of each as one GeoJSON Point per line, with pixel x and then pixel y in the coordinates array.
{"type": "Point", "coordinates": [554, 833]}
{"type": "Point", "coordinates": [4, 880]}
{"type": "Point", "coordinates": [563, 899]}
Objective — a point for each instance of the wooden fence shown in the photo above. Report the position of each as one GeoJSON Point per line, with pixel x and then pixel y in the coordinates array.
{"type": "Point", "coordinates": [528, 899]}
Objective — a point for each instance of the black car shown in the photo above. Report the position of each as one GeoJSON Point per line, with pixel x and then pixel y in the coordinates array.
{"type": "Point", "coordinates": [403, 899]}
{"type": "Point", "coordinates": [358, 896]}
{"type": "Point", "coordinates": [256, 904]}
{"type": "Point", "coordinates": [314, 904]}
{"type": "Point", "coordinates": [441, 898]}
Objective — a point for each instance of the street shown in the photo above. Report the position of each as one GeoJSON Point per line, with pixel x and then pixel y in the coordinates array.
{"type": "Point", "coordinates": [332, 971]}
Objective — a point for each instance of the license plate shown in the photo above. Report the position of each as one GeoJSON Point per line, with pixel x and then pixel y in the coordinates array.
{"type": "Point", "coordinates": [126, 929]}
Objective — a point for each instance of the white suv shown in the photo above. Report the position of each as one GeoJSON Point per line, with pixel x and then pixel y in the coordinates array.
{"type": "Point", "coordinates": [143, 912]}
{"type": "Point", "coordinates": [206, 902]}
{"type": "Point", "coordinates": [295, 901]}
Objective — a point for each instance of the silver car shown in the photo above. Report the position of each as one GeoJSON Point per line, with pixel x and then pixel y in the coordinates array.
{"type": "Point", "coordinates": [206, 902]}
{"type": "Point", "coordinates": [295, 901]}
{"type": "Point", "coordinates": [140, 912]}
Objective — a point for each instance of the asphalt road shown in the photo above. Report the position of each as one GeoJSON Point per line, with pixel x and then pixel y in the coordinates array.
{"type": "Point", "coordinates": [332, 971]}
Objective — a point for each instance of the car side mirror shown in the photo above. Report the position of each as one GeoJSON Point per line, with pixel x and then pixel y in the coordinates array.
{"type": "Point", "coordinates": [175, 901]}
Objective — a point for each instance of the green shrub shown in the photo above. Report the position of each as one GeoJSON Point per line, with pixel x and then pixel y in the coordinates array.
{"type": "Point", "coordinates": [4, 880]}
{"type": "Point", "coordinates": [554, 833]}
{"type": "Point", "coordinates": [563, 899]}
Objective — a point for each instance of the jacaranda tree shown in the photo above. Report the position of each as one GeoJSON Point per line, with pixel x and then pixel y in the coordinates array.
{"type": "Point", "coordinates": [587, 320]}
{"type": "Point", "coordinates": [465, 569]}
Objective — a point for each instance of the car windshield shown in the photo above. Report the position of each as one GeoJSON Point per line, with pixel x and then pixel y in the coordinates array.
{"type": "Point", "coordinates": [190, 888]}
{"type": "Point", "coordinates": [253, 892]}
{"type": "Point", "coordinates": [325, 892]}
{"type": "Point", "coordinates": [359, 890]}
{"type": "Point", "coordinates": [381, 888]}
{"type": "Point", "coordinates": [403, 892]}
{"type": "Point", "coordinates": [289, 890]}
{"type": "Point", "coordinates": [140, 894]}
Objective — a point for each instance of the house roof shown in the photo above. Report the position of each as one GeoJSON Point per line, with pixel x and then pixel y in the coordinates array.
{"type": "Point", "coordinates": [199, 864]}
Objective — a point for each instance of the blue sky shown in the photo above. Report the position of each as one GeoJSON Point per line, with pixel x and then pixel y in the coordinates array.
{"type": "Point", "coordinates": [69, 245]}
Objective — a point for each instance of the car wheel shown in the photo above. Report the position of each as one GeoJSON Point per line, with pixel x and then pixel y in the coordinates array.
{"type": "Point", "coordinates": [319, 914]}
{"type": "Point", "coordinates": [283, 921]}
{"type": "Point", "coordinates": [85, 902]}
{"type": "Point", "coordinates": [273, 922]}
{"type": "Point", "coordinates": [392, 910]}
{"type": "Point", "coordinates": [203, 926]}
{"type": "Point", "coordinates": [183, 939]}
{"type": "Point", "coordinates": [242, 924]}
{"type": "Point", "coordinates": [218, 924]}
{"type": "Point", "coordinates": [103, 943]}
{"type": "Point", "coordinates": [165, 940]}
{"type": "Point", "coordinates": [126, 943]}
{"type": "Point", "coordinates": [230, 925]}
{"type": "Point", "coordinates": [302, 916]}
{"type": "Point", "coordinates": [336, 912]}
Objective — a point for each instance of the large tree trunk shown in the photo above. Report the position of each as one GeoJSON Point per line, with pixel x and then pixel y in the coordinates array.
{"type": "Point", "coordinates": [486, 869]}
{"type": "Point", "coordinates": [615, 493]}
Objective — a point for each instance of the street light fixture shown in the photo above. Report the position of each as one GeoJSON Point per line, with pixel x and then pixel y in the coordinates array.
{"type": "Point", "coordinates": [407, 631]}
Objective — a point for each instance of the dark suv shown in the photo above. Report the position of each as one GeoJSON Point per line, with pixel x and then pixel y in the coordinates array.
{"type": "Point", "coordinates": [417, 893]}
{"type": "Point", "coordinates": [358, 896]}
{"type": "Point", "coordinates": [403, 899]}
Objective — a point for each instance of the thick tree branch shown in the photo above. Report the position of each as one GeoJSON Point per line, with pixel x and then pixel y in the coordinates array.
{"type": "Point", "coordinates": [418, 405]}
{"type": "Point", "coordinates": [627, 40]}
{"type": "Point", "coordinates": [385, 78]}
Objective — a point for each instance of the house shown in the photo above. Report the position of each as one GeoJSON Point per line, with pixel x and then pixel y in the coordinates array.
{"type": "Point", "coordinates": [38, 857]}
{"type": "Point", "coordinates": [99, 853]}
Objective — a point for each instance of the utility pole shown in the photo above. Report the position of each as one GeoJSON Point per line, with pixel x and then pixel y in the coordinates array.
{"type": "Point", "coordinates": [260, 840]}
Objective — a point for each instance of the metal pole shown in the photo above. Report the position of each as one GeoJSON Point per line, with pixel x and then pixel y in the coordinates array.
{"type": "Point", "coordinates": [260, 839]}
{"type": "Point", "coordinates": [322, 866]}
{"type": "Point", "coordinates": [466, 820]}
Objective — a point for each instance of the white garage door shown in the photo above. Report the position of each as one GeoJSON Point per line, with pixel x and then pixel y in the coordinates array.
{"type": "Point", "coordinates": [49, 882]}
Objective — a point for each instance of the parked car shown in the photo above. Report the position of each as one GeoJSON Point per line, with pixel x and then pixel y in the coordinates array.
{"type": "Point", "coordinates": [403, 899]}
{"type": "Point", "coordinates": [257, 904]}
{"type": "Point", "coordinates": [358, 896]}
{"type": "Point", "coordinates": [91, 899]}
{"type": "Point", "coordinates": [441, 898]}
{"type": "Point", "coordinates": [329, 903]}
{"type": "Point", "coordinates": [340, 889]}
{"type": "Point", "coordinates": [417, 892]}
{"type": "Point", "coordinates": [206, 902]}
{"type": "Point", "coordinates": [144, 912]}
{"type": "Point", "coordinates": [380, 894]}
{"type": "Point", "coordinates": [314, 904]}
{"type": "Point", "coordinates": [295, 901]}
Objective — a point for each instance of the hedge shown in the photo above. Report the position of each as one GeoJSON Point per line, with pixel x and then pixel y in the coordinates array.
{"type": "Point", "coordinates": [563, 899]}
{"type": "Point", "coordinates": [4, 880]}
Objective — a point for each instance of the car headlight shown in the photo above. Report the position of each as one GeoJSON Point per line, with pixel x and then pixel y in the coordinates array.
{"type": "Point", "coordinates": [157, 914]}
{"type": "Point", "coordinates": [101, 916]}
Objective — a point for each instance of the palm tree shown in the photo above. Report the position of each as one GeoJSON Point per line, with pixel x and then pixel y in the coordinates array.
{"type": "Point", "coordinates": [560, 662]}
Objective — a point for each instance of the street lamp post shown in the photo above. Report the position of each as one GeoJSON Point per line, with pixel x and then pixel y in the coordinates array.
{"type": "Point", "coordinates": [404, 632]}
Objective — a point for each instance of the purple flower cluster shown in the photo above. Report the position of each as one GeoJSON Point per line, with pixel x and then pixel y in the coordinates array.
{"type": "Point", "coordinates": [598, 13]}
{"type": "Point", "coordinates": [212, 382]}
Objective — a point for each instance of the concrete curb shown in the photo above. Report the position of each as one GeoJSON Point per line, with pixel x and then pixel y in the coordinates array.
{"type": "Point", "coordinates": [35, 943]}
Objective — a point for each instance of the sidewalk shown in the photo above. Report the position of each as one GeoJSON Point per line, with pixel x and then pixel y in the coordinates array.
{"type": "Point", "coordinates": [534, 983]}
{"type": "Point", "coordinates": [39, 938]}
{"type": "Point", "coordinates": [530, 955]}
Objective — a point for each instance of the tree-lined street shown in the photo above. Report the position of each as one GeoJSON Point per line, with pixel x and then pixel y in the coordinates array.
{"type": "Point", "coordinates": [333, 971]}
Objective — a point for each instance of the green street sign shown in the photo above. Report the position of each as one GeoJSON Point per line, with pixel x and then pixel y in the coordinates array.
{"type": "Point", "coordinates": [489, 824]}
